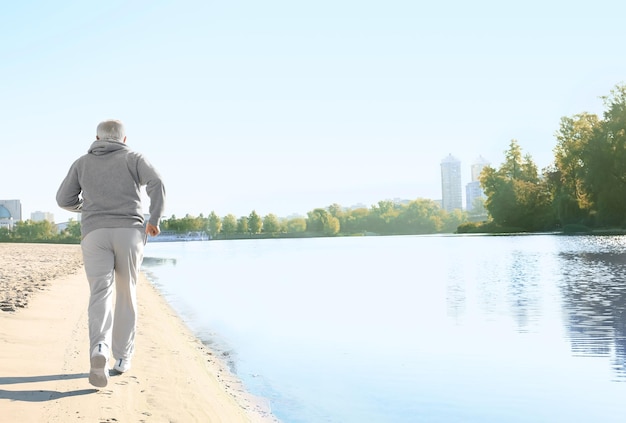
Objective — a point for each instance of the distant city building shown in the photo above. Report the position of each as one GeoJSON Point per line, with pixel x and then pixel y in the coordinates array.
{"type": "Point", "coordinates": [477, 166]}
{"type": "Point", "coordinates": [451, 187]}
{"type": "Point", "coordinates": [62, 226]}
{"type": "Point", "coordinates": [473, 190]}
{"type": "Point", "coordinates": [10, 213]}
{"type": "Point", "coordinates": [40, 216]}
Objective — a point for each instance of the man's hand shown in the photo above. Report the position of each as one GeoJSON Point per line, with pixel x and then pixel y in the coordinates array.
{"type": "Point", "coordinates": [152, 230]}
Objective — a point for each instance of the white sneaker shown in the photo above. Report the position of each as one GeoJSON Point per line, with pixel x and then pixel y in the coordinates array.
{"type": "Point", "coordinates": [122, 365]}
{"type": "Point", "coordinates": [99, 373]}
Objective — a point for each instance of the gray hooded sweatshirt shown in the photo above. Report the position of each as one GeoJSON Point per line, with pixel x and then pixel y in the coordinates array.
{"type": "Point", "coordinates": [104, 186]}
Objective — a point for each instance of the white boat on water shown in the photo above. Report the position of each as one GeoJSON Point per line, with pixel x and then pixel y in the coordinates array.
{"type": "Point", "coordinates": [167, 236]}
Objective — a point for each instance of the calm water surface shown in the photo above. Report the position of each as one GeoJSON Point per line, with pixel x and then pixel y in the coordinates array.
{"type": "Point", "coordinates": [412, 329]}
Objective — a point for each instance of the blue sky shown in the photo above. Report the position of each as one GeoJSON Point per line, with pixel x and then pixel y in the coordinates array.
{"type": "Point", "coordinates": [285, 106]}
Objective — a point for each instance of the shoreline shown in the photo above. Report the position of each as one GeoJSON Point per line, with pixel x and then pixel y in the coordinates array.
{"type": "Point", "coordinates": [44, 364]}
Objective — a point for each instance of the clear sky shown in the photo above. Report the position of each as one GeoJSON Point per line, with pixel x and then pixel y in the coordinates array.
{"type": "Point", "coordinates": [285, 106]}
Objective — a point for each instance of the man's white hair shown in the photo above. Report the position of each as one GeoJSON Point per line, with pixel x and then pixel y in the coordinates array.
{"type": "Point", "coordinates": [111, 129]}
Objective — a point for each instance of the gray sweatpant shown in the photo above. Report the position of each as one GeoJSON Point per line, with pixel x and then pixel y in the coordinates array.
{"type": "Point", "coordinates": [113, 255]}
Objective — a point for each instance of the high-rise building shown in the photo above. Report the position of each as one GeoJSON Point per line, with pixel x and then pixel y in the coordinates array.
{"type": "Point", "coordinates": [477, 166]}
{"type": "Point", "coordinates": [451, 188]}
{"type": "Point", "coordinates": [10, 213]}
{"type": "Point", "coordinates": [39, 216]}
{"type": "Point", "coordinates": [473, 189]}
{"type": "Point", "coordinates": [472, 192]}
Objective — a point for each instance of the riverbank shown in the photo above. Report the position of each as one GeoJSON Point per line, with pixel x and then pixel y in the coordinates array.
{"type": "Point", "coordinates": [44, 363]}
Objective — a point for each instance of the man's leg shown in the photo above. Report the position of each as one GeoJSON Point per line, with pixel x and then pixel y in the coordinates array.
{"type": "Point", "coordinates": [128, 244]}
{"type": "Point", "coordinates": [98, 260]}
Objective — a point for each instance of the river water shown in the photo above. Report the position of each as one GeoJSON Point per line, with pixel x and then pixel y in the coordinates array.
{"type": "Point", "coordinates": [528, 328]}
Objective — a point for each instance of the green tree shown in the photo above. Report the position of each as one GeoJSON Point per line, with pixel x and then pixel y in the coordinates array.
{"type": "Point", "coordinates": [255, 224]}
{"type": "Point", "coordinates": [383, 217]}
{"type": "Point", "coordinates": [572, 198]}
{"type": "Point", "coordinates": [29, 231]}
{"type": "Point", "coordinates": [296, 225]}
{"type": "Point", "coordinates": [5, 235]}
{"type": "Point", "coordinates": [500, 194]}
{"type": "Point", "coordinates": [71, 234]}
{"type": "Point", "coordinates": [315, 220]}
{"type": "Point", "coordinates": [355, 221]}
{"type": "Point", "coordinates": [242, 225]}
{"type": "Point", "coordinates": [420, 216]}
{"type": "Point", "coordinates": [535, 204]}
{"type": "Point", "coordinates": [321, 221]}
{"type": "Point", "coordinates": [191, 223]}
{"type": "Point", "coordinates": [215, 224]}
{"type": "Point", "coordinates": [337, 211]}
{"type": "Point", "coordinates": [186, 224]}
{"type": "Point", "coordinates": [229, 224]}
{"type": "Point", "coordinates": [170, 224]}
{"type": "Point", "coordinates": [513, 164]}
{"type": "Point", "coordinates": [604, 158]}
{"type": "Point", "coordinates": [271, 224]}
{"type": "Point", "coordinates": [331, 226]}
{"type": "Point", "coordinates": [516, 197]}
{"type": "Point", "coordinates": [453, 219]}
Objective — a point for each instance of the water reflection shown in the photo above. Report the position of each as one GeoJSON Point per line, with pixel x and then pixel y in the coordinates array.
{"type": "Point", "coordinates": [507, 283]}
{"type": "Point", "coordinates": [523, 295]}
{"type": "Point", "coordinates": [593, 286]}
{"type": "Point", "coordinates": [539, 282]}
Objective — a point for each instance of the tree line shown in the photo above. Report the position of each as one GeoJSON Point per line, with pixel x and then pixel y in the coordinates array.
{"type": "Point", "coordinates": [583, 189]}
{"type": "Point", "coordinates": [42, 231]}
{"type": "Point", "coordinates": [419, 216]}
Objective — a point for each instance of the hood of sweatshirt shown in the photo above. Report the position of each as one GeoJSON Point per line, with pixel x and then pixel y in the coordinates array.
{"type": "Point", "coordinates": [101, 147]}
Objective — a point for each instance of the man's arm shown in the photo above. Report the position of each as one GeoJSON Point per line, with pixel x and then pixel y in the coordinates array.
{"type": "Point", "coordinates": [155, 189]}
{"type": "Point", "coordinates": [68, 195]}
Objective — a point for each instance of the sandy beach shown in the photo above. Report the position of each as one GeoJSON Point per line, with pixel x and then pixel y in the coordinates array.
{"type": "Point", "coordinates": [44, 359]}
